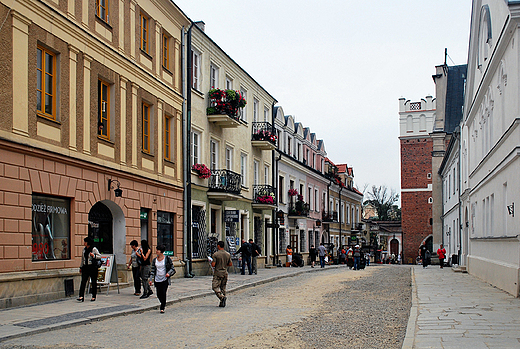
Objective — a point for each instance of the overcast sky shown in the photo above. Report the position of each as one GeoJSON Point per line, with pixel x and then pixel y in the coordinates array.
{"type": "Point", "coordinates": [340, 66]}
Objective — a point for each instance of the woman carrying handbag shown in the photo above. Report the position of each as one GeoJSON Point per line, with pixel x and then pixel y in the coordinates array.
{"type": "Point", "coordinates": [90, 263]}
{"type": "Point", "coordinates": [162, 270]}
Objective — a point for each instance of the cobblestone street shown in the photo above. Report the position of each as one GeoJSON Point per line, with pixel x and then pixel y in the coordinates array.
{"type": "Point", "coordinates": [334, 308]}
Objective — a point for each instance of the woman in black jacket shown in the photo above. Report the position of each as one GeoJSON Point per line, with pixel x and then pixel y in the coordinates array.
{"type": "Point", "coordinates": [161, 271]}
{"type": "Point", "coordinates": [89, 268]}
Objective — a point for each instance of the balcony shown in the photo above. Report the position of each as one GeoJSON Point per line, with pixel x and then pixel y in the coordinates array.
{"type": "Point", "coordinates": [298, 210]}
{"type": "Point", "coordinates": [263, 136]}
{"type": "Point", "coordinates": [224, 185]}
{"type": "Point", "coordinates": [264, 197]}
{"type": "Point", "coordinates": [329, 216]}
{"type": "Point", "coordinates": [225, 107]}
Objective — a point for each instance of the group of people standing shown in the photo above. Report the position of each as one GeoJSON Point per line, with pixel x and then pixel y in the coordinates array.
{"type": "Point", "coordinates": [250, 252]}
{"type": "Point", "coordinates": [426, 255]}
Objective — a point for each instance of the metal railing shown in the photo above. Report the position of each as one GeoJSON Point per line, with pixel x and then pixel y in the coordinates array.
{"type": "Point", "coordinates": [329, 216]}
{"type": "Point", "coordinates": [264, 194]}
{"type": "Point", "coordinates": [298, 208]}
{"type": "Point", "coordinates": [225, 181]}
{"type": "Point", "coordinates": [263, 131]}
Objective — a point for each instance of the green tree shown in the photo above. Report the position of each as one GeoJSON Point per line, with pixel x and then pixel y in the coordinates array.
{"type": "Point", "coordinates": [383, 200]}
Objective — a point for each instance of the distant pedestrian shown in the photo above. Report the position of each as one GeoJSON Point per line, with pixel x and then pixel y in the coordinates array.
{"type": "Point", "coordinates": [255, 252]}
{"type": "Point", "coordinates": [350, 258]}
{"type": "Point", "coordinates": [134, 263]}
{"type": "Point", "coordinates": [322, 251]}
{"type": "Point", "coordinates": [357, 257]}
{"type": "Point", "coordinates": [399, 259]}
{"type": "Point", "coordinates": [245, 249]}
{"type": "Point", "coordinates": [342, 256]}
{"type": "Point", "coordinates": [312, 255]}
{"type": "Point", "coordinates": [288, 252]}
{"type": "Point", "coordinates": [441, 252]}
{"type": "Point", "coordinates": [422, 252]}
{"type": "Point", "coordinates": [160, 272]}
{"type": "Point", "coordinates": [145, 253]}
{"type": "Point", "coordinates": [221, 261]}
{"type": "Point", "coordinates": [89, 268]}
{"type": "Point", "coordinates": [367, 258]}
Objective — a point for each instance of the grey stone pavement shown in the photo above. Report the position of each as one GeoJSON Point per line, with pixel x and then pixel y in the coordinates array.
{"type": "Point", "coordinates": [449, 310]}
{"type": "Point", "coordinates": [457, 310]}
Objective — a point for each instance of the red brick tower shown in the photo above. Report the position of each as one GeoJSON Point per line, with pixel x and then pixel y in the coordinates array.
{"type": "Point", "coordinates": [416, 122]}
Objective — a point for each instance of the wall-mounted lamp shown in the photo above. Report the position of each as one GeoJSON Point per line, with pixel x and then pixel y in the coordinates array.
{"type": "Point", "coordinates": [117, 192]}
{"type": "Point", "coordinates": [511, 209]}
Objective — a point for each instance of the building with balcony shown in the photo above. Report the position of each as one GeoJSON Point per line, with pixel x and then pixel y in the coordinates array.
{"type": "Point", "coordinates": [90, 138]}
{"type": "Point", "coordinates": [232, 135]}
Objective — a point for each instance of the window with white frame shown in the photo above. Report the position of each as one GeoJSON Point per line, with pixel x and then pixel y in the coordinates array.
{"type": "Point", "coordinates": [229, 83]}
{"type": "Point", "coordinates": [195, 66]}
{"type": "Point", "coordinates": [266, 174]}
{"type": "Point", "coordinates": [289, 141]}
{"type": "Point", "coordinates": [316, 200]}
{"type": "Point", "coordinates": [243, 92]}
{"type": "Point", "coordinates": [213, 75]}
{"type": "Point", "coordinates": [298, 154]}
{"type": "Point", "coordinates": [266, 114]}
{"type": "Point", "coordinates": [307, 155]}
{"type": "Point", "coordinates": [229, 158]}
{"type": "Point", "coordinates": [255, 109]}
{"type": "Point", "coordinates": [243, 168]}
{"type": "Point", "coordinates": [213, 149]}
{"type": "Point", "coordinates": [256, 171]}
{"type": "Point", "coordinates": [322, 165]}
{"type": "Point", "coordinates": [309, 198]}
{"type": "Point", "coordinates": [347, 216]}
{"type": "Point", "coordinates": [195, 147]}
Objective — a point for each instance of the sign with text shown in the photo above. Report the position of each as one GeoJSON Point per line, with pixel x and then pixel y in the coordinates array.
{"type": "Point", "coordinates": [231, 216]}
{"type": "Point", "coordinates": [105, 271]}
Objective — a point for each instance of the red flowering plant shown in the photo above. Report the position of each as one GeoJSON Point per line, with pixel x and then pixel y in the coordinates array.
{"type": "Point", "coordinates": [263, 135]}
{"type": "Point", "coordinates": [226, 102]}
{"type": "Point", "coordinates": [293, 192]}
{"type": "Point", "coordinates": [202, 170]}
{"type": "Point", "coordinates": [265, 199]}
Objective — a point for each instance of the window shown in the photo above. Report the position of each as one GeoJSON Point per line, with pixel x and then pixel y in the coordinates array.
{"type": "Point", "coordinates": [289, 141]}
{"type": "Point", "coordinates": [229, 83]}
{"type": "Point", "coordinates": [266, 174]}
{"type": "Point", "coordinates": [309, 198]}
{"type": "Point", "coordinates": [243, 168]}
{"type": "Point", "coordinates": [430, 200]}
{"type": "Point", "coordinates": [195, 69]}
{"type": "Point", "coordinates": [243, 92]}
{"type": "Point", "coordinates": [144, 33]}
{"type": "Point", "coordinates": [316, 201]}
{"type": "Point", "coordinates": [313, 160]}
{"type": "Point", "coordinates": [429, 176]}
{"type": "Point", "coordinates": [167, 137]}
{"type": "Point", "coordinates": [281, 189]}
{"type": "Point", "coordinates": [104, 109]}
{"type": "Point", "coordinates": [256, 169]}
{"type": "Point", "coordinates": [213, 76]}
{"type": "Point", "coordinates": [50, 228]}
{"type": "Point", "coordinates": [229, 158]}
{"type": "Point", "coordinates": [299, 151]}
{"type": "Point", "coordinates": [46, 83]}
{"type": "Point", "coordinates": [146, 128]}
{"type": "Point", "coordinates": [322, 165]}
{"type": "Point", "coordinates": [213, 148]}
{"type": "Point", "coordinates": [195, 147]}
{"type": "Point", "coordinates": [166, 52]}
{"type": "Point", "coordinates": [165, 221]}
{"type": "Point", "coordinates": [102, 9]}
{"type": "Point", "coordinates": [255, 110]}
{"type": "Point", "coordinates": [266, 114]}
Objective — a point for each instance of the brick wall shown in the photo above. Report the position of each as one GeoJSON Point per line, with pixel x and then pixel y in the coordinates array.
{"type": "Point", "coordinates": [416, 162]}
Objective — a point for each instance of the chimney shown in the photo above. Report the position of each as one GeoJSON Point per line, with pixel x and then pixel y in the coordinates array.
{"type": "Point", "coordinates": [201, 25]}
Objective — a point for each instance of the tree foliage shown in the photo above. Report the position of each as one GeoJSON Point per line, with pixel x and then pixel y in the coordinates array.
{"type": "Point", "coordinates": [383, 200]}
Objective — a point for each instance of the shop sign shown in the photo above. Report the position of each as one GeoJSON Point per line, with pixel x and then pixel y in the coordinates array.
{"type": "Point", "coordinates": [144, 215]}
{"type": "Point", "coordinates": [231, 216]}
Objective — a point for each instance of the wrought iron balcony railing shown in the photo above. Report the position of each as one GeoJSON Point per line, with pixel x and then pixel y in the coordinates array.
{"type": "Point", "coordinates": [264, 194]}
{"type": "Point", "coordinates": [299, 208]}
{"type": "Point", "coordinates": [264, 131]}
{"type": "Point", "coordinates": [329, 216]}
{"type": "Point", "coordinates": [225, 181]}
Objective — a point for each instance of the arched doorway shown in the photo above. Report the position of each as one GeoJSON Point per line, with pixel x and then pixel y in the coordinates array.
{"type": "Point", "coordinates": [107, 227]}
{"type": "Point", "coordinates": [394, 247]}
{"type": "Point", "coordinates": [100, 227]}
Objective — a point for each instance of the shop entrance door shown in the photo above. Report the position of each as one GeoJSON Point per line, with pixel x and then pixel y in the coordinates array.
{"type": "Point", "coordinates": [100, 228]}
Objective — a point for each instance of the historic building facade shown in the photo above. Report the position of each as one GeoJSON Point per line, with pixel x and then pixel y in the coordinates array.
{"type": "Point", "coordinates": [90, 139]}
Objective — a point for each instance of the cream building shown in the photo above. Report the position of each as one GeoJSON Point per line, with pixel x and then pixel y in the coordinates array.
{"type": "Point", "coordinates": [90, 138]}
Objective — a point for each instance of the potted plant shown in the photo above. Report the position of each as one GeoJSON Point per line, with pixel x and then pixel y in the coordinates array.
{"type": "Point", "coordinates": [201, 170]}
{"type": "Point", "coordinates": [227, 102]}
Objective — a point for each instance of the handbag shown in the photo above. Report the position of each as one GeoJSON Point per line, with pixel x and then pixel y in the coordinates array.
{"type": "Point", "coordinates": [98, 263]}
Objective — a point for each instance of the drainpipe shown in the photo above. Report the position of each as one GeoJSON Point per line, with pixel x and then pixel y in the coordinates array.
{"type": "Point", "coordinates": [186, 116]}
{"type": "Point", "coordinates": [274, 178]}
{"type": "Point", "coordinates": [277, 229]}
{"type": "Point", "coordinates": [461, 225]}
{"type": "Point", "coordinates": [328, 206]}
{"type": "Point", "coordinates": [339, 216]}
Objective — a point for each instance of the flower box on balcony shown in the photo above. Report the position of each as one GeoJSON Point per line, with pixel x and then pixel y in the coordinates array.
{"type": "Point", "coordinates": [201, 170]}
{"type": "Point", "coordinates": [263, 136]}
{"type": "Point", "coordinates": [225, 107]}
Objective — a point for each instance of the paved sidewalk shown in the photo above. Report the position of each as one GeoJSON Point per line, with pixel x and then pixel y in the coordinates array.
{"type": "Point", "coordinates": [20, 321]}
{"type": "Point", "coordinates": [456, 310]}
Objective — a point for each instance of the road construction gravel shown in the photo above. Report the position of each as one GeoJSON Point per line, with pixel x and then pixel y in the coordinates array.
{"type": "Point", "coordinates": [331, 308]}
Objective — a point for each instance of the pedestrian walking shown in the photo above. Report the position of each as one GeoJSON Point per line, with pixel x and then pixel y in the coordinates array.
{"type": "Point", "coordinates": [441, 252]}
{"type": "Point", "coordinates": [322, 252]}
{"type": "Point", "coordinates": [357, 257]}
{"type": "Point", "coordinates": [160, 272]}
{"type": "Point", "coordinates": [145, 253]}
{"type": "Point", "coordinates": [350, 258]}
{"type": "Point", "coordinates": [245, 249]}
{"type": "Point", "coordinates": [134, 263]}
{"type": "Point", "coordinates": [312, 255]}
{"type": "Point", "coordinates": [255, 252]}
{"type": "Point", "coordinates": [288, 252]}
{"type": "Point", "coordinates": [422, 252]}
{"type": "Point", "coordinates": [399, 259]}
{"type": "Point", "coordinates": [88, 268]}
{"type": "Point", "coordinates": [221, 261]}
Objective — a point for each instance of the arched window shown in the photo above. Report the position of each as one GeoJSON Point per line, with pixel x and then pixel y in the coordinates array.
{"type": "Point", "coordinates": [484, 36]}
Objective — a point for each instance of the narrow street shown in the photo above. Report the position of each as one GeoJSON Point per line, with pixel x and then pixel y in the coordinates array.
{"type": "Point", "coordinates": [336, 308]}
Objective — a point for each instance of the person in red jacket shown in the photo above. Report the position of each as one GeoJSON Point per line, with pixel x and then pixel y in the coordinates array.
{"type": "Point", "coordinates": [441, 252]}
